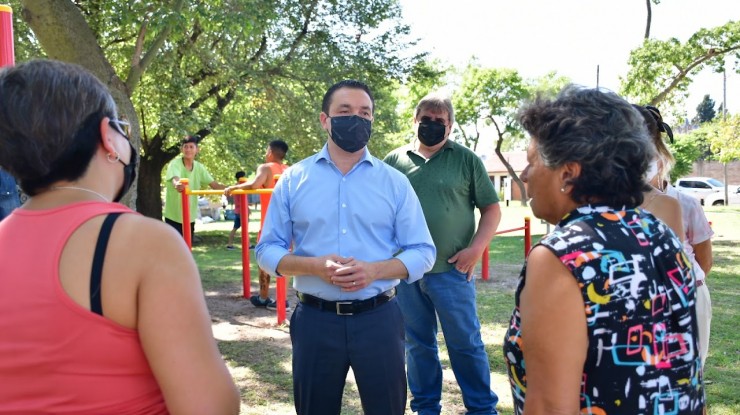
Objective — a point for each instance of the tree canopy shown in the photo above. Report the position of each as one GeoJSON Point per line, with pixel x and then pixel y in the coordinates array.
{"type": "Point", "coordinates": [239, 73]}
{"type": "Point", "coordinates": [662, 70]}
{"type": "Point", "coordinates": [491, 97]}
{"type": "Point", "coordinates": [705, 110]}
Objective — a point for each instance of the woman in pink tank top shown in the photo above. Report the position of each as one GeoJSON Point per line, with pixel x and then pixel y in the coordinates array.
{"type": "Point", "coordinates": [101, 309]}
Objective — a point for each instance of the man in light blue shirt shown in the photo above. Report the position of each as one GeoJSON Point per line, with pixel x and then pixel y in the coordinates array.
{"type": "Point", "coordinates": [9, 199]}
{"type": "Point", "coordinates": [357, 229]}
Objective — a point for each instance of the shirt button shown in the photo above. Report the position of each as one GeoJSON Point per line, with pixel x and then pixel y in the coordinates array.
{"type": "Point", "coordinates": [344, 205]}
{"type": "Point", "coordinates": [344, 231]}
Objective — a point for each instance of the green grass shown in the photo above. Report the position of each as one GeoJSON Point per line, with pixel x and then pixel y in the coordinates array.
{"type": "Point", "coordinates": [723, 362]}
{"type": "Point", "coordinates": [262, 367]}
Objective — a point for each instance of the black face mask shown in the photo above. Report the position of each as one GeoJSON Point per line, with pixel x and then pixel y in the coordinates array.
{"type": "Point", "coordinates": [351, 133]}
{"type": "Point", "coordinates": [431, 133]}
{"type": "Point", "coordinates": [129, 174]}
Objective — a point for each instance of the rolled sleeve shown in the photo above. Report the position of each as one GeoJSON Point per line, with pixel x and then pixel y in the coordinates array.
{"type": "Point", "coordinates": [276, 233]}
{"type": "Point", "coordinates": [417, 260]}
{"type": "Point", "coordinates": [418, 251]}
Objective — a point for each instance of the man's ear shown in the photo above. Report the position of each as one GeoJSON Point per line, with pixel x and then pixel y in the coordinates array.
{"type": "Point", "coordinates": [323, 119]}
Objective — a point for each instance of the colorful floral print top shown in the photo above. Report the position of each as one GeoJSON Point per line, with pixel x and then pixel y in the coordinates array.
{"type": "Point", "coordinates": [638, 291]}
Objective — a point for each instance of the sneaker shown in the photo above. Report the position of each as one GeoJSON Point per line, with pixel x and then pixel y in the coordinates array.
{"type": "Point", "coordinates": [273, 305]}
{"type": "Point", "coordinates": [260, 303]}
{"type": "Point", "coordinates": [230, 247]}
{"type": "Point", "coordinates": [251, 246]}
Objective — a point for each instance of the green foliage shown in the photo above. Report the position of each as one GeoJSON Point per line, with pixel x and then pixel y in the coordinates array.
{"type": "Point", "coordinates": [488, 96]}
{"type": "Point", "coordinates": [493, 96]}
{"type": "Point", "coordinates": [243, 72]}
{"type": "Point", "coordinates": [724, 138]}
{"type": "Point", "coordinates": [662, 70]}
{"type": "Point", "coordinates": [705, 110]}
{"type": "Point", "coordinates": [686, 149]}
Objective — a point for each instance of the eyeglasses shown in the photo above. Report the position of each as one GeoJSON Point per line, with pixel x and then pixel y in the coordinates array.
{"type": "Point", "coordinates": [122, 127]}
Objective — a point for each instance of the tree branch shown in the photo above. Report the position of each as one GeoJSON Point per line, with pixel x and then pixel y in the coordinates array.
{"type": "Point", "coordinates": [302, 34]}
{"type": "Point", "coordinates": [137, 70]}
{"type": "Point", "coordinates": [509, 169]}
{"type": "Point", "coordinates": [683, 73]}
{"type": "Point", "coordinates": [649, 19]}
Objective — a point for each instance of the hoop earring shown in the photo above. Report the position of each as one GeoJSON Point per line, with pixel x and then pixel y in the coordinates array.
{"type": "Point", "coordinates": [118, 157]}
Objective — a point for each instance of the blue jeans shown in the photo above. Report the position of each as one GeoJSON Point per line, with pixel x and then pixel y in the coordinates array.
{"type": "Point", "coordinates": [451, 297]}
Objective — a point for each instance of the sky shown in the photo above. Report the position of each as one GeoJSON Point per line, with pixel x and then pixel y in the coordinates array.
{"type": "Point", "coordinates": [571, 37]}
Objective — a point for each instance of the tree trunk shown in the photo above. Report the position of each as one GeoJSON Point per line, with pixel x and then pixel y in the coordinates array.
{"type": "Point", "coordinates": [149, 200]}
{"type": "Point", "coordinates": [649, 19]}
{"type": "Point", "coordinates": [512, 173]}
{"type": "Point", "coordinates": [65, 35]}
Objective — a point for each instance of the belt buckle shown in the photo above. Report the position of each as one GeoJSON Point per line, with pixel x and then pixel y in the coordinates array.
{"type": "Point", "coordinates": [339, 310]}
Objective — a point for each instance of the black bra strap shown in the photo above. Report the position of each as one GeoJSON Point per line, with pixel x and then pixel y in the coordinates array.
{"type": "Point", "coordinates": [96, 305]}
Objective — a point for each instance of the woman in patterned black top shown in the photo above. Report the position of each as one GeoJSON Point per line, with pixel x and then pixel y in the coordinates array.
{"type": "Point", "coordinates": [604, 321]}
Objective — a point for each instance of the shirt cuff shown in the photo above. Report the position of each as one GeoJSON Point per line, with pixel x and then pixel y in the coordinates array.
{"type": "Point", "coordinates": [268, 259]}
{"type": "Point", "coordinates": [416, 263]}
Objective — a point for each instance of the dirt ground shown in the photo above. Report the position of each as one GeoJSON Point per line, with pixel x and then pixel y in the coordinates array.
{"type": "Point", "coordinates": [234, 317]}
{"type": "Point", "coordinates": [236, 321]}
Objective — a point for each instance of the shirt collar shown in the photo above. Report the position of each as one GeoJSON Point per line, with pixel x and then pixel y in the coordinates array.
{"type": "Point", "coordinates": [324, 155]}
{"type": "Point", "coordinates": [448, 145]}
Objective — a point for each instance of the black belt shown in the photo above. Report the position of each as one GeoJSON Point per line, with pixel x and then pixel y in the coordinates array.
{"type": "Point", "coordinates": [347, 308]}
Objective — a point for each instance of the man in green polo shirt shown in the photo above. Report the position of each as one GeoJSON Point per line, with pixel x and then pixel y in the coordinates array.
{"type": "Point", "coordinates": [450, 181]}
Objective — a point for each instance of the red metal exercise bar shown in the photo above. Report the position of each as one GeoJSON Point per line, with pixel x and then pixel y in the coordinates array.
{"type": "Point", "coordinates": [281, 288]}
{"type": "Point", "coordinates": [485, 274]}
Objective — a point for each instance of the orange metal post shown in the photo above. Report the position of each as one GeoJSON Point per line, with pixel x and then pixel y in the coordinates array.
{"type": "Point", "coordinates": [527, 236]}
{"type": "Point", "coordinates": [186, 213]}
{"type": "Point", "coordinates": [246, 268]}
{"type": "Point", "coordinates": [244, 217]}
{"type": "Point", "coordinates": [282, 293]}
{"type": "Point", "coordinates": [7, 52]}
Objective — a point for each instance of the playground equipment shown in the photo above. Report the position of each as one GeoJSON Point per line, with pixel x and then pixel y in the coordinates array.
{"type": "Point", "coordinates": [7, 51]}
{"type": "Point", "coordinates": [281, 288]}
{"type": "Point", "coordinates": [527, 228]}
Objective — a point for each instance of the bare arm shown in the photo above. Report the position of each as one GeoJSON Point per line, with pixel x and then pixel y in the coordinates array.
{"type": "Point", "coordinates": [216, 185]}
{"type": "Point", "coordinates": [465, 259]}
{"type": "Point", "coordinates": [175, 327]}
{"type": "Point", "coordinates": [553, 320]}
{"type": "Point", "coordinates": [264, 174]}
{"type": "Point", "coordinates": [703, 255]}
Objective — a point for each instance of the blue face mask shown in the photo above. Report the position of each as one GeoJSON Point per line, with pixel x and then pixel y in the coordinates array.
{"type": "Point", "coordinates": [350, 133]}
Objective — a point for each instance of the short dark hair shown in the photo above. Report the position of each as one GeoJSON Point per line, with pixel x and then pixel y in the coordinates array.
{"type": "Point", "coordinates": [601, 132]}
{"type": "Point", "coordinates": [50, 114]}
{"type": "Point", "coordinates": [195, 139]}
{"type": "Point", "coordinates": [347, 83]}
{"type": "Point", "coordinates": [240, 174]}
{"type": "Point", "coordinates": [279, 148]}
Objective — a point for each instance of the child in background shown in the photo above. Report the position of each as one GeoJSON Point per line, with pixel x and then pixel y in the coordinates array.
{"type": "Point", "coordinates": [237, 209]}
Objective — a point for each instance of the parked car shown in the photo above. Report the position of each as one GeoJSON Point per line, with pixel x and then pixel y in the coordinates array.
{"type": "Point", "coordinates": [718, 199]}
{"type": "Point", "coordinates": [699, 187]}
